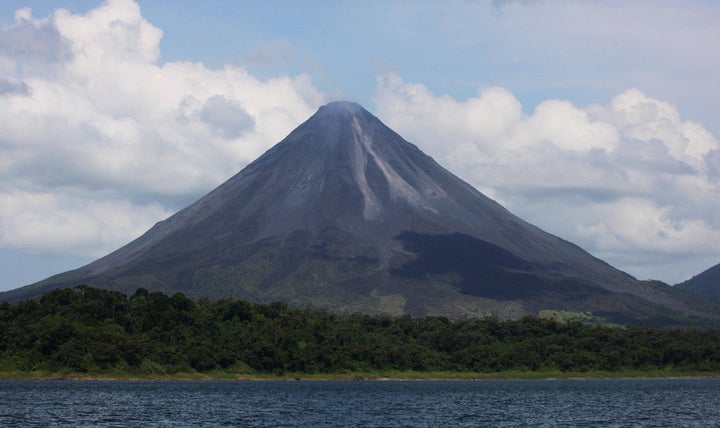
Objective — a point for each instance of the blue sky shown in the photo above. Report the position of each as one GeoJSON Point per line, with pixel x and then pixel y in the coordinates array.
{"type": "Point", "coordinates": [596, 121]}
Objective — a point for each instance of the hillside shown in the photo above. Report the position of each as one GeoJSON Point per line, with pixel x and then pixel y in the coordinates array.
{"type": "Point", "coordinates": [705, 284]}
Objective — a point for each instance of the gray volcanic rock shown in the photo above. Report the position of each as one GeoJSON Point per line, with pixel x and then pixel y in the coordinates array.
{"type": "Point", "coordinates": [344, 214]}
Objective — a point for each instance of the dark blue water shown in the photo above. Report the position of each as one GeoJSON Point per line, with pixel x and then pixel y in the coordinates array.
{"type": "Point", "coordinates": [561, 403]}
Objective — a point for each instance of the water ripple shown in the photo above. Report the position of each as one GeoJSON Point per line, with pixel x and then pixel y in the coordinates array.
{"type": "Point", "coordinates": [567, 403]}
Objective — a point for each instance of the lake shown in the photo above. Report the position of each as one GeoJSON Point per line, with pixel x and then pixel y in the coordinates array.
{"type": "Point", "coordinates": [504, 403]}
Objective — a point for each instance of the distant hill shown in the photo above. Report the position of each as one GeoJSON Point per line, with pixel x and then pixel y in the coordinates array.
{"type": "Point", "coordinates": [346, 215]}
{"type": "Point", "coordinates": [706, 284]}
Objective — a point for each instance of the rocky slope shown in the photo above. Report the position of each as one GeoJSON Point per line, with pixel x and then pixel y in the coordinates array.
{"type": "Point", "coordinates": [344, 214]}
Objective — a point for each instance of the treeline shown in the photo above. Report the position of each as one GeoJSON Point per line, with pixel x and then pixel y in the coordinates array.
{"type": "Point", "coordinates": [89, 330]}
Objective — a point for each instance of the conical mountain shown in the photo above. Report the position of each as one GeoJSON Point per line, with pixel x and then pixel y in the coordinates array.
{"type": "Point", "coordinates": [344, 214]}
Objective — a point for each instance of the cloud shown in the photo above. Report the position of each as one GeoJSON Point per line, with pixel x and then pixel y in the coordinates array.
{"type": "Point", "coordinates": [582, 50]}
{"type": "Point", "coordinates": [280, 56]}
{"type": "Point", "coordinates": [98, 140]}
{"type": "Point", "coordinates": [271, 52]}
{"type": "Point", "coordinates": [33, 42]}
{"type": "Point", "coordinates": [630, 177]}
{"type": "Point", "coordinates": [13, 87]}
{"type": "Point", "coordinates": [226, 117]}
{"type": "Point", "coordinates": [69, 224]}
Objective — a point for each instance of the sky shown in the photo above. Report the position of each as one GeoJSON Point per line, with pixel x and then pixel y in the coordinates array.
{"type": "Point", "coordinates": [597, 121]}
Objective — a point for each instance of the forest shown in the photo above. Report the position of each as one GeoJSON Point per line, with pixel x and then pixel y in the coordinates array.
{"type": "Point", "coordinates": [88, 330]}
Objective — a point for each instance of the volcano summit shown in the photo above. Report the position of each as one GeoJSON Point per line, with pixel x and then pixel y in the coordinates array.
{"type": "Point", "coordinates": [345, 215]}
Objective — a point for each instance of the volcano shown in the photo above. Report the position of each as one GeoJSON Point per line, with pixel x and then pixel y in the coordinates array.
{"type": "Point", "coordinates": [347, 216]}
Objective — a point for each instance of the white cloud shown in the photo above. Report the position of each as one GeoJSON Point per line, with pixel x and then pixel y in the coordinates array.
{"type": "Point", "coordinates": [92, 127]}
{"type": "Point", "coordinates": [628, 223]}
{"type": "Point", "coordinates": [226, 117]}
{"type": "Point", "coordinates": [630, 181]}
{"type": "Point", "coordinates": [68, 224]}
{"type": "Point", "coordinates": [32, 42]}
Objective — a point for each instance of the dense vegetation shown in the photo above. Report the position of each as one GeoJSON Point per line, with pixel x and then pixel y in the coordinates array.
{"type": "Point", "coordinates": [86, 330]}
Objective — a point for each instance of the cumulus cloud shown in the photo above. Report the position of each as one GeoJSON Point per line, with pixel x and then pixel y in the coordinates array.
{"type": "Point", "coordinates": [33, 41]}
{"type": "Point", "coordinates": [98, 140]}
{"type": "Point", "coordinates": [630, 180]}
{"type": "Point", "coordinates": [71, 225]}
{"type": "Point", "coordinates": [226, 117]}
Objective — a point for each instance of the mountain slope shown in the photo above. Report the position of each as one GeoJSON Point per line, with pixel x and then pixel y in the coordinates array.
{"type": "Point", "coordinates": [344, 214]}
{"type": "Point", "coordinates": [705, 284]}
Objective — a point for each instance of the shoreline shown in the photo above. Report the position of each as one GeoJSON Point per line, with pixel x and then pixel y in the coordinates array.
{"type": "Point", "coordinates": [375, 377]}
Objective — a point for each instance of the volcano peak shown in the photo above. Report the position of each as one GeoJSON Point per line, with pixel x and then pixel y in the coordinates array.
{"type": "Point", "coordinates": [346, 215]}
{"type": "Point", "coordinates": [341, 107]}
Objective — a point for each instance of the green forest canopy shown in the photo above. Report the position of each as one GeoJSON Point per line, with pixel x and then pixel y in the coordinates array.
{"type": "Point", "coordinates": [88, 330]}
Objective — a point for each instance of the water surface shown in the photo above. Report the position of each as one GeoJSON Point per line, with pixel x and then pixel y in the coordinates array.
{"type": "Point", "coordinates": [551, 403]}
